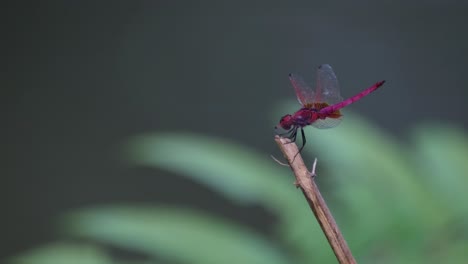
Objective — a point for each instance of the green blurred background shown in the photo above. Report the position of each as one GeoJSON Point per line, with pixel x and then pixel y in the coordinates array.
{"type": "Point", "coordinates": [140, 131]}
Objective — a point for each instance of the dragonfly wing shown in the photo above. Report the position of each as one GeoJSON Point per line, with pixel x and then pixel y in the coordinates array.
{"type": "Point", "coordinates": [328, 89]}
{"type": "Point", "coordinates": [326, 123]}
{"type": "Point", "coordinates": [305, 94]}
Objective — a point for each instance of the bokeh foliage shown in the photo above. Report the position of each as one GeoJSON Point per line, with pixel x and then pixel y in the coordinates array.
{"type": "Point", "coordinates": [395, 202]}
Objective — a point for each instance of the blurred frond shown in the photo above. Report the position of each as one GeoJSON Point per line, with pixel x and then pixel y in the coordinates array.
{"type": "Point", "coordinates": [395, 202]}
{"type": "Point", "coordinates": [59, 253]}
{"type": "Point", "coordinates": [173, 233]}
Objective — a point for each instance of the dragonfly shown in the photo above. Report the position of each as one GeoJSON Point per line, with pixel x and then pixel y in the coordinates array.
{"type": "Point", "coordinates": [320, 107]}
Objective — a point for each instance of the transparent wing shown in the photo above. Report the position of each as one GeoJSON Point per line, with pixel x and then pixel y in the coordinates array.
{"type": "Point", "coordinates": [305, 94]}
{"type": "Point", "coordinates": [328, 89]}
{"type": "Point", "coordinates": [326, 123]}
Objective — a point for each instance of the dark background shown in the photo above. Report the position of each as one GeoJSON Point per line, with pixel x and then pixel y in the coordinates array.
{"type": "Point", "coordinates": [81, 77]}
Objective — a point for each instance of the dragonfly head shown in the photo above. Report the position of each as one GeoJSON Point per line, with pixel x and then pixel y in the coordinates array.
{"type": "Point", "coordinates": [285, 122]}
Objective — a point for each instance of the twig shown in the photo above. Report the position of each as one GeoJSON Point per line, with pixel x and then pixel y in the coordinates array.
{"type": "Point", "coordinates": [305, 181]}
{"type": "Point", "coordinates": [279, 162]}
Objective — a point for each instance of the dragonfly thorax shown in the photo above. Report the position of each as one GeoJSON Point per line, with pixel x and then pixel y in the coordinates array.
{"type": "Point", "coordinates": [301, 118]}
{"type": "Point", "coordinates": [305, 116]}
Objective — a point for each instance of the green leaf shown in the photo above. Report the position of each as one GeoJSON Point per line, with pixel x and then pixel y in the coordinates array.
{"type": "Point", "coordinates": [241, 175]}
{"type": "Point", "coordinates": [369, 178]}
{"type": "Point", "coordinates": [236, 172]}
{"type": "Point", "coordinates": [60, 253]}
{"type": "Point", "coordinates": [379, 191]}
{"type": "Point", "coordinates": [175, 234]}
{"type": "Point", "coordinates": [442, 155]}
{"type": "Point", "coordinates": [374, 184]}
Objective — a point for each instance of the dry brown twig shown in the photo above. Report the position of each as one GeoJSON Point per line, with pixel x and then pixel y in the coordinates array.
{"type": "Point", "coordinates": [305, 181]}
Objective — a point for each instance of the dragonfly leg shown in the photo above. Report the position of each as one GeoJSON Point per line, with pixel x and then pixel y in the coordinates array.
{"type": "Point", "coordinates": [288, 133]}
{"type": "Point", "coordinates": [292, 136]}
{"type": "Point", "coordinates": [303, 143]}
{"type": "Point", "coordinates": [303, 139]}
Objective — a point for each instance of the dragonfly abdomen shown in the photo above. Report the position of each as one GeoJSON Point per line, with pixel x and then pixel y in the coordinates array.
{"type": "Point", "coordinates": [336, 107]}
